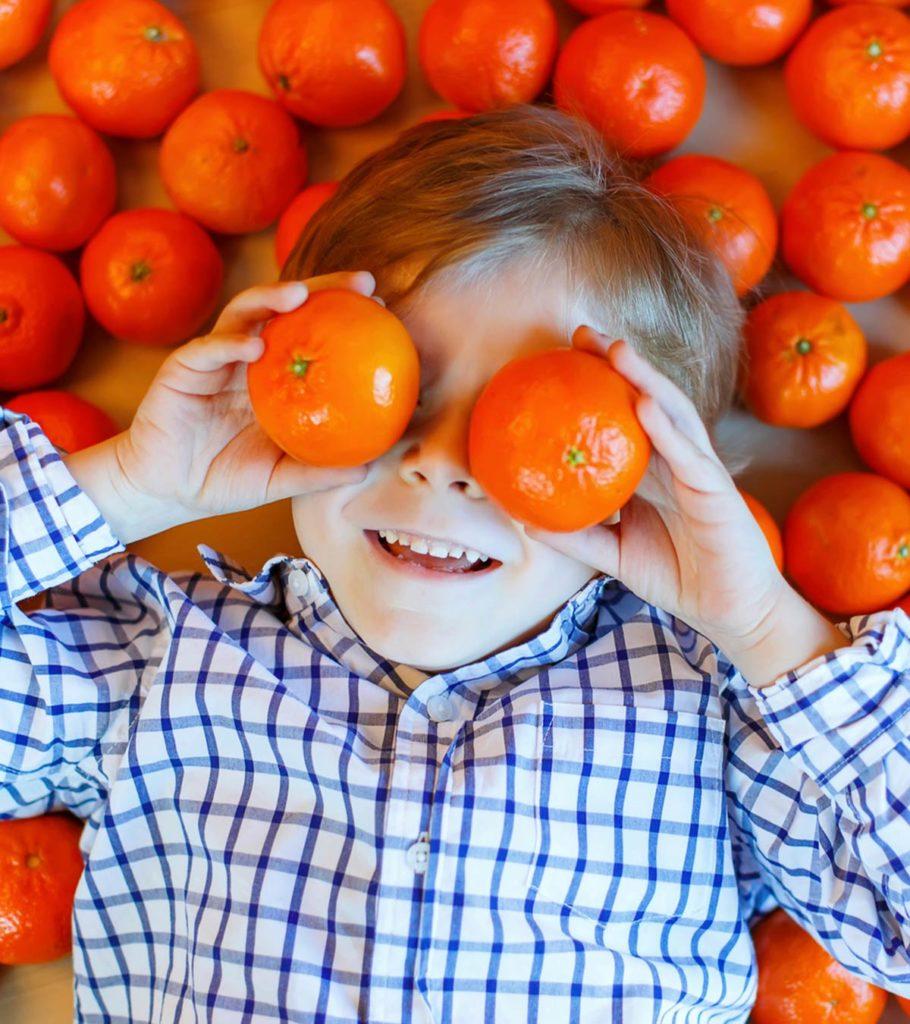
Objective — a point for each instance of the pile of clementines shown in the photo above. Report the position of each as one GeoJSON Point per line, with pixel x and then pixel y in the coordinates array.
{"type": "Point", "coordinates": [233, 162]}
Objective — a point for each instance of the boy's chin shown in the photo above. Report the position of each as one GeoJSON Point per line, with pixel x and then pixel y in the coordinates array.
{"type": "Point", "coordinates": [422, 641]}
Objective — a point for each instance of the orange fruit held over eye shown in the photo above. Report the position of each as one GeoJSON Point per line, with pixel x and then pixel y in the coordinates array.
{"type": "Point", "coordinates": [298, 214]}
{"type": "Point", "coordinates": [233, 161]}
{"type": "Point", "coordinates": [57, 181]}
{"type": "Point", "coordinates": [742, 32]}
{"type": "Point", "coordinates": [729, 209]}
{"type": "Point", "coordinates": [40, 867]}
{"type": "Point", "coordinates": [845, 226]}
{"type": "Point", "coordinates": [848, 77]}
{"type": "Point", "coordinates": [480, 55]}
{"type": "Point", "coordinates": [554, 439]}
{"type": "Point", "coordinates": [41, 318]}
{"type": "Point", "coordinates": [151, 276]}
{"type": "Point", "coordinates": [880, 419]}
{"type": "Point", "coordinates": [22, 24]}
{"type": "Point", "coordinates": [127, 67]}
{"type": "Point", "coordinates": [805, 355]}
{"type": "Point", "coordinates": [69, 421]}
{"type": "Point", "coordinates": [334, 63]}
{"type": "Point", "coordinates": [636, 76]}
{"type": "Point", "coordinates": [799, 981]}
{"type": "Point", "coordinates": [768, 527]}
{"type": "Point", "coordinates": [338, 381]}
{"type": "Point", "coordinates": [847, 543]}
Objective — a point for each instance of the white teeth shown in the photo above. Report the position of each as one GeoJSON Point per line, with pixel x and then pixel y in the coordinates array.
{"type": "Point", "coordinates": [426, 545]}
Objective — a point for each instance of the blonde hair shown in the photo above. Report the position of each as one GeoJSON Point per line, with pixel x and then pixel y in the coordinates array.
{"type": "Point", "coordinates": [533, 182]}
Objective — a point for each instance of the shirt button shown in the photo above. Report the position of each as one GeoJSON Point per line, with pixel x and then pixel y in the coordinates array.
{"type": "Point", "coordinates": [299, 582]}
{"type": "Point", "coordinates": [440, 708]}
{"type": "Point", "coordinates": [418, 855]}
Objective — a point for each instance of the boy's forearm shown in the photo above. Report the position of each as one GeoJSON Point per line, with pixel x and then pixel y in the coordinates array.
{"type": "Point", "coordinates": [130, 514]}
{"type": "Point", "coordinates": [792, 635]}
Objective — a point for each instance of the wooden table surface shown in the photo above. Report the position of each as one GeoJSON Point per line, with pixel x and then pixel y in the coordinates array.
{"type": "Point", "coordinates": [746, 119]}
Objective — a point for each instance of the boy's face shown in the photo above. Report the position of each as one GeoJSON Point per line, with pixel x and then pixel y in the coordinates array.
{"type": "Point", "coordinates": [427, 615]}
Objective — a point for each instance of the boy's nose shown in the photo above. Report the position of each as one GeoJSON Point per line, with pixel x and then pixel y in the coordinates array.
{"type": "Point", "coordinates": [438, 455]}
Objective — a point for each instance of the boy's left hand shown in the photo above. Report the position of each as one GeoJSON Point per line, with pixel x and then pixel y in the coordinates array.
{"type": "Point", "coordinates": [686, 541]}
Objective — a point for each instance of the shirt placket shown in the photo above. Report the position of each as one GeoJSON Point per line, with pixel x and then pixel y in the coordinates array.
{"type": "Point", "coordinates": [427, 725]}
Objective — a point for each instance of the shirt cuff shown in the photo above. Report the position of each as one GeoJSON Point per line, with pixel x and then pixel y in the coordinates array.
{"type": "Point", "coordinates": [50, 530]}
{"type": "Point", "coordinates": [840, 714]}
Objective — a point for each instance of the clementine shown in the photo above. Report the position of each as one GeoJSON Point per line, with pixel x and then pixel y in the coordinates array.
{"type": "Point", "coordinates": [57, 181]}
{"type": "Point", "coordinates": [799, 981]}
{"type": "Point", "coordinates": [70, 422]}
{"type": "Point", "coordinates": [847, 543]}
{"type": "Point", "coordinates": [848, 77]}
{"type": "Point", "coordinates": [804, 356]}
{"type": "Point", "coordinates": [884, 3]}
{"type": "Point", "coordinates": [41, 318]}
{"type": "Point", "coordinates": [40, 867]}
{"type": "Point", "coordinates": [880, 419]}
{"type": "Point", "coordinates": [768, 527]}
{"type": "Point", "coordinates": [338, 381]}
{"type": "Point", "coordinates": [554, 439]}
{"type": "Point", "coordinates": [22, 24]}
{"type": "Point", "coordinates": [480, 55]}
{"type": "Point", "coordinates": [127, 67]}
{"type": "Point", "coordinates": [729, 209]}
{"type": "Point", "coordinates": [298, 214]}
{"type": "Point", "coordinates": [233, 160]}
{"type": "Point", "coordinates": [334, 63]}
{"type": "Point", "coordinates": [636, 76]}
{"type": "Point", "coordinates": [845, 226]}
{"type": "Point", "coordinates": [742, 32]}
{"type": "Point", "coordinates": [151, 276]}
{"type": "Point", "coordinates": [601, 6]}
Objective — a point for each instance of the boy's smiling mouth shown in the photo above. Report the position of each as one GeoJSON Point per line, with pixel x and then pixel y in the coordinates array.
{"type": "Point", "coordinates": [418, 552]}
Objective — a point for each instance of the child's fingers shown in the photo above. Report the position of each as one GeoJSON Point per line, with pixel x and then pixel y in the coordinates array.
{"type": "Point", "coordinates": [292, 479]}
{"type": "Point", "coordinates": [246, 311]}
{"type": "Point", "coordinates": [687, 461]}
{"type": "Point", "coordinates": [203, 366]}
{"type": "Point", "coordinates": [647, 379]}
{"type": "Point", "coordinates": [597, 546]}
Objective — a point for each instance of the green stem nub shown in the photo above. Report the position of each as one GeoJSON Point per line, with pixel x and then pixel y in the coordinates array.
{"type": "Point", "coordinates": [139, 271]}
{"type": "Point", "coordinates": [241, 145]}
{"type": "Point", "coordinates": [903, 551]}
{"type": "Point", "coordinates": [284, 83]}
{"type": "Point", "coordinates": [803, 346]}
{"type": "Point", "coordinates": [154, 33]}
{"type": "Point", "coordinates": [870, 211]}
{"type": "Point", "coordinates": [575, 456]}
{"type": "Point", "coordinates": [299, 366]}
{"type": "Point", "coordinates": [715, 213]}
{"type": "Point", "coordinates": [875, 48]}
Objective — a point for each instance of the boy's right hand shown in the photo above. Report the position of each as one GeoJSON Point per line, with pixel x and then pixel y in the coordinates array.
{"type": "Point", "coordinates": [194, 448]}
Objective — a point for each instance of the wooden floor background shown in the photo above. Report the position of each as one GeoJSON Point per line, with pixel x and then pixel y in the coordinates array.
{"type": "Point", "coordinates": [746, 119]}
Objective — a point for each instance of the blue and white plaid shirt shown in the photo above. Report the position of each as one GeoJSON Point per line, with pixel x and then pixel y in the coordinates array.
{"type": "Point", "coordinates": [283, 826]}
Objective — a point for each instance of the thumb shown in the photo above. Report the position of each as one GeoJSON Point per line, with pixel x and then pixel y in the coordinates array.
{"type": "Point", "coordinates": [291, 479]}
{"type": "Point", "coordinates": [596, 546]}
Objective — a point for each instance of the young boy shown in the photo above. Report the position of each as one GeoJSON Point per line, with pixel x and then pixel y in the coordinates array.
{"type": "Point", "coordinates": [444, 768]}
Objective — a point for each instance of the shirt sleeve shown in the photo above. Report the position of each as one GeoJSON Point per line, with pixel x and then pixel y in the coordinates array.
{"type": "Point", "coordinates": [818, 792]}
{"type": "Point", "coordinates": [69, 676]}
